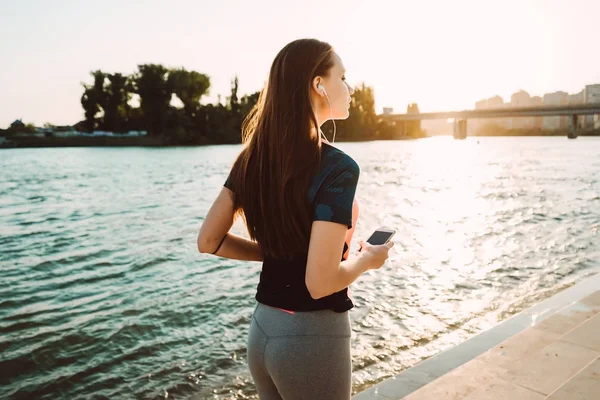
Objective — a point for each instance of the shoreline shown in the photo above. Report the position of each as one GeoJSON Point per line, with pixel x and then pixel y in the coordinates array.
{"type": "Point", "coordinates": [111, 141]}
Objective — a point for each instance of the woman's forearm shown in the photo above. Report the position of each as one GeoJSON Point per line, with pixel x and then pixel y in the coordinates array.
{"type": "Point", "coordinates": [348, 271]}
{"type": "Point", "coordinates": [239, 248]}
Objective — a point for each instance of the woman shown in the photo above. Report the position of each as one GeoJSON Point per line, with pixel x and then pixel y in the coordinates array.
{"type": "Point", "coordinates": [295, 192]}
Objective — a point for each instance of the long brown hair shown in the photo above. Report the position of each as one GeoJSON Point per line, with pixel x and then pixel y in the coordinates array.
{"type": "Point", "coordinates": [272, 173]}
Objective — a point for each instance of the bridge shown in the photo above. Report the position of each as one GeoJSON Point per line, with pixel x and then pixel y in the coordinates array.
{"type": "Point", "coordinates": [460, 117]}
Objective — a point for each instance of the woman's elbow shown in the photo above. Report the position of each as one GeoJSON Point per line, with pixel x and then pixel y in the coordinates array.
{"type": "Point", "coordinates": [203, 245]}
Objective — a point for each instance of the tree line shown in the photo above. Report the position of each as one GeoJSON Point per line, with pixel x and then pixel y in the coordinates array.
{"type": "Point", "coordinates": [109, 104]}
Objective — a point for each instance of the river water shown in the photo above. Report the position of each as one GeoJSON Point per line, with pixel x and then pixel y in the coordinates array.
{"type": "Point", "coordinates": [104, 295]}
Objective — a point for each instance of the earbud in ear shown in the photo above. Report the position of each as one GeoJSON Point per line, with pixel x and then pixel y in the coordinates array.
{"type": "Point", "coordinates": [319, 86]}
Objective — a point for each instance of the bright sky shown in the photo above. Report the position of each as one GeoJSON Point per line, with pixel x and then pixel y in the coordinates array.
{"type": "Point", "coordinates": [445, 55]}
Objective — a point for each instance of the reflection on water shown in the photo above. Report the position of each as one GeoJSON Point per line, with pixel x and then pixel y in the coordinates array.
{"type": "Point", "coordinates": [104, 293]}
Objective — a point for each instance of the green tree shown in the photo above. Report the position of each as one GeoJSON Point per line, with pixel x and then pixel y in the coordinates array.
{"type": "Point", "coordinates": [234, 105]}
{"type": "Point", "coordinates": [362, 123]}
{"type": "Point", "coordinates": [90, 108]}
{"type": "Point", "coordinates": [117, 93]}
{"type": "Point", "coordinates": [248, 102]}
{"type": "Point", "coordinates": [93, 100]}
{"type": "Point", "coordinates": [152, 84]}
{"type": "Point", "coordinates": [99, 93]}
{"type": "Point", "coordinates": [189, 87]}
{"type": "Point", "coordinates": [413, 128]}
{"type": "Point", "coordinates": [218, 124]}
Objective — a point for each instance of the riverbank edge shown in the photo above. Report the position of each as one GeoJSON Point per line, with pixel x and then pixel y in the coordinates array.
{"type": "Point", "coordinates": [34, 142]}
{"type": "Point", "coordinates": [430, 369]}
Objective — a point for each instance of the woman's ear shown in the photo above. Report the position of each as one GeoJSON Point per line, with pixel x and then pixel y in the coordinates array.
{"type": "Point", "coordinates": [315, 85]}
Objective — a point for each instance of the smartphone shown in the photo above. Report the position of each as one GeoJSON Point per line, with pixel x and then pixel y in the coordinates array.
{"type": "Point", "coordinates": [381, 236]}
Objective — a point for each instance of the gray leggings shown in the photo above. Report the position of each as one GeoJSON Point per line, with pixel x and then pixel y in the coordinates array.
{"type": "Point", "coordinates": [301, 356]}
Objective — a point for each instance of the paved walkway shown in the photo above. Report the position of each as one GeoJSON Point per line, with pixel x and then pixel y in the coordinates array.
{"type": "Point", "coordinates": [557, 358]}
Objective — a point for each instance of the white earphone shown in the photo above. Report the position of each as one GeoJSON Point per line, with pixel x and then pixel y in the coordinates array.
{"type": "Point", "coordinates": [322, 88]}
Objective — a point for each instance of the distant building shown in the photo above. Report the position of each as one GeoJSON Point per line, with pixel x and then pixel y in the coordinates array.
{"type": "Point", "coordinates": [574, 99]}
{"type": "Point", "coordinates": [136, 133]}
{"type": "Point", "coordinates": [492, 102]}
{"type": "Point", "coordinates": [388, 110]}
{"type": "Point", "coordinates": [555, 99]}
{"type": "Point", "coordinates": [498, 102]}
{"type": "Point", "coordinates": [591, 95]}
{"type": "Point", "coordinates": [520, 99]}
{"type": "Point", "coordinates": [495, 102]}
{"type": "Point", "coordinates": [536, 122]}
{"type": "Point", "coordinates": [101, 133]}
{"type": "Point", "coordinates": [577, 98]}
{"type": "Point", "coordinates": [71, 133]}
{"type": "Point", "coordinates": [16, 125]}
{"type": "Point", "coordinates": [57, 131]}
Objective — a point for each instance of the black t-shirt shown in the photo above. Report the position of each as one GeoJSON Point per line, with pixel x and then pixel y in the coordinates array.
{"type": "Point", "coordinates": [332, 190]}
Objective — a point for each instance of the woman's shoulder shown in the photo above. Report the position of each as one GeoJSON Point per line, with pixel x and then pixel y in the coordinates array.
{"type": "Point", "coordinates": [336, 168]}
{"type": "Point", "coordinates": [334, 160]}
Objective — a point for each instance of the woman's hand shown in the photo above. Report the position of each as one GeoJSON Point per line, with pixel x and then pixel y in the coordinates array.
{"type": "Point", "coordinates": [374, 256]}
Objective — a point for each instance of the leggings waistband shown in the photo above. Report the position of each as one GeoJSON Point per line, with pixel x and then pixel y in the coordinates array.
{"type": "Point", "coordinates": [275, 322]}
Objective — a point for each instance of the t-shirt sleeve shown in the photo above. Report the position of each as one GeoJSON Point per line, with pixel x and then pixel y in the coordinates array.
{"type": "Point", "coordinates": [227, 183]}
{"type": "Point", "coordinates": [334, 202]}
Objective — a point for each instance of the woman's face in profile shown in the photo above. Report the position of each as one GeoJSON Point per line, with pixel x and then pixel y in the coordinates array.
{"type": "Point", "coordinates": [338, 90]}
